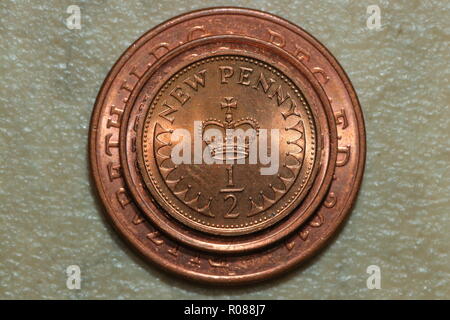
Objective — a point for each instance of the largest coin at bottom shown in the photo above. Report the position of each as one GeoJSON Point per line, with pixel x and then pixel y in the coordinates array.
{"type": "Point", "coordinates": [227, 153]}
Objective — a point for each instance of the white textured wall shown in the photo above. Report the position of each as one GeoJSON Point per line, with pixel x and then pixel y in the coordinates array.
{"type": "Point", "coordinates": [49, 217]}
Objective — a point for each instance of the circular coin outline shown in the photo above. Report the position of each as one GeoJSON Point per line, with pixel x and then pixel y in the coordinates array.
{"type": "Point", "coordinates": [266, 218]}
{"type": "Point", "coordinates": [142, 236]}
{"type": "Point", "coordinates": [236, 244]}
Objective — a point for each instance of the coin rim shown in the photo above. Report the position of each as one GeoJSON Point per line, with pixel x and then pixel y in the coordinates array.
{"type": "Point", "coordinates": [279, 231]}
{"type": "Point", "coordinates": [349, 201]}
{"type": "Point", "coordinates": [229, 229]}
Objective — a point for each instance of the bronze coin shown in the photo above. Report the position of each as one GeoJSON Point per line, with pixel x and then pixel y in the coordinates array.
{"type": "Point", "coordinates": [130, 141]}
{"type": "Point", "coordinates": [227, 93]}
{"type": "Point", "coordinates": [176, 138]}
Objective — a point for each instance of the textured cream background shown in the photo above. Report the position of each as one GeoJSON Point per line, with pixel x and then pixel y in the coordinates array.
{"type": "Point", "coordinates": [50, 218]}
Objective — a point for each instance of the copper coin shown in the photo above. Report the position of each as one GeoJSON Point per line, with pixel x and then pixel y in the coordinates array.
{"type": "Point", "coordinates": [130, 145]}
{"type": "Point", "coordinates": [227, 145]}
{"type": "Point", "coordinates": [225, 93]}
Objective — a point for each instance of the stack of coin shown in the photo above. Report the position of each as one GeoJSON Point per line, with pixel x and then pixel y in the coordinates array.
{"type": "Point", "coordinates": [227, 145]}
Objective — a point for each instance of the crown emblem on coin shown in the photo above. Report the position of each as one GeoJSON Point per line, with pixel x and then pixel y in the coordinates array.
{"type": "Point", "coordinates": [237, 142]}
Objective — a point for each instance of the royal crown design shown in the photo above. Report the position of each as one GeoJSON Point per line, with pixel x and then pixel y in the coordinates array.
{"type": "Point", "coordinates": [234, 147]}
